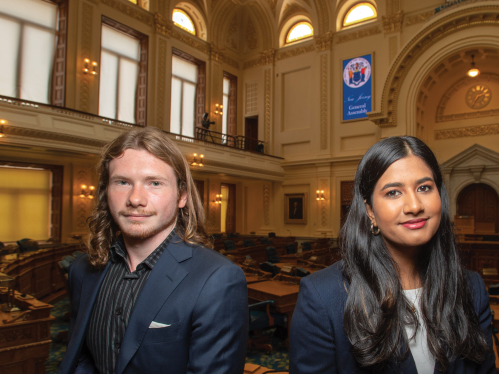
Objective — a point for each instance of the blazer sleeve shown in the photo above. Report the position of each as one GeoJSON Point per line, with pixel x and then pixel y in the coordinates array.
{"type": "Point", "coordinates": [220, 324]}
{"type": "Point", "coordinates": [482, 308]}
{"type": "Point", "coordinates": [312, 347]}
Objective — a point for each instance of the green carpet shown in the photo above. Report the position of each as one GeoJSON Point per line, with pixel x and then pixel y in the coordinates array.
{"type": "Point", "coordinates": [278, 359]}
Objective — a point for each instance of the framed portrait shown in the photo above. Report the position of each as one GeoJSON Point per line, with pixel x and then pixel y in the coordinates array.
{"type": "Point", "coordinates": [295, 208]}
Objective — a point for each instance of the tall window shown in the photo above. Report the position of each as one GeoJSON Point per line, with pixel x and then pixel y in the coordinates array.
{"type": "Point", "coordinates": [360, 13]}
{"type": "Point", "coordinates": [229, 117]}
{"type": "Point", "coordinates": [25, 195]}
{"type": "Point", "coordinates": [188, 93]}
{"type": "Point", "coordinates": [184, 80]}
{"type": "Point", "coordinates": [28, 43]}
{"type": "Point", "coordinates": [123, 74]}
{"type": "Point", "coordinates": [300, 31]}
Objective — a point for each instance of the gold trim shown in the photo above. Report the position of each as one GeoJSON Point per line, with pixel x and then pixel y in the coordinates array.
{"type": "Point", "coordinates": [465, 132]}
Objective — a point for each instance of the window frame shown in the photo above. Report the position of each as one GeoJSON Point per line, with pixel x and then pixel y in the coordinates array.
{"type": "Point", "coordinates": [56, 194]}
{"type": "Point", "coordinates": [364, 20]}
{"type": "Point", "coordinates": [190, 19]}
{"type": "Point", "coordinates": [57, 88]}
{"type": "Point", "coordinates": [199, 105]}
{"type": "Point", "coordinates": [141, 89]}
{"type": "Point", "coordinates": [292, 27]}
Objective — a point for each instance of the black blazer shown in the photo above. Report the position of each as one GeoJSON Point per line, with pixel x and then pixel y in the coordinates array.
{"type": "Point", "coordinates": [199, 294]}
{"type": "Point", "coordinates": [318, 343]}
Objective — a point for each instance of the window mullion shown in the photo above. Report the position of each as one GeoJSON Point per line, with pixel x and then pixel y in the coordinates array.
{"type": "Point", "coordinates": [20, 61]}
{"type": "Point", "coordinates": [118, 88]}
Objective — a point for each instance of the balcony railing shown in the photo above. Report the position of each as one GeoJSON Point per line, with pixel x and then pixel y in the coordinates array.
{"type": "Point", "coordinates": [234, 141]}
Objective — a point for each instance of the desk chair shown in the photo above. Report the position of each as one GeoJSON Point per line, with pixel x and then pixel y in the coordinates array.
{"type": "Point", "coordinates": [272, 255]}
{"type": "Point", "coordinates": [249, 243]}
{"type": "Point", "coordinates": [306, 246]}
{"type": "Point", "coordinates": [271, 234]}
{"type": "Point", "coordinates": [229, 245]}
{"type": "Point", "coordinates": [291, 248]}
{"type": "Point", "coordinates": [269, 268]}
{"type": "Point", "coordinates": [265, 241]}
{"type": "Point", "coordinates": [260, 320]}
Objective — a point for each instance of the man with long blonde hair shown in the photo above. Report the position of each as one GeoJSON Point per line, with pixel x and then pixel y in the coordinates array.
{"type": "Point", "coordinates": [149, 296]}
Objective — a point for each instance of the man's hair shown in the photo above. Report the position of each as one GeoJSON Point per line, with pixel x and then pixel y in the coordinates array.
{"type": "Point", "coordinates": [190, 219]}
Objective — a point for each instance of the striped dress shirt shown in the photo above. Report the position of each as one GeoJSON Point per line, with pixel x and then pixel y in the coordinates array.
{"type": "Point", "coordinates": [113, 307]}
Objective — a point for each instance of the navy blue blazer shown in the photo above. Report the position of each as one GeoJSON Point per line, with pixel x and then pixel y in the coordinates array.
{"type": "Point", "coordinates": [318, 343]}
{"type": "Point", "coordinates": [198, 292]}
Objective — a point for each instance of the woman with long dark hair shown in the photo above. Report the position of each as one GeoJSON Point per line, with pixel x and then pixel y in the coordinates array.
{"type": "Point", "coordinates": [400, 300]}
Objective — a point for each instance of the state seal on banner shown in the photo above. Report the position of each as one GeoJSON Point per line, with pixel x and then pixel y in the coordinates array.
{"type": "Point", "coordinates": [357, 72]}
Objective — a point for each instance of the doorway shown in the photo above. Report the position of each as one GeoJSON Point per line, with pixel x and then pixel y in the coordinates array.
{"type": "Point", "coordinates": [480, 201]}
{"type": "Point", "coordinates": [228, 208]}
{"type": "Point", "coordinates": [251, 133]}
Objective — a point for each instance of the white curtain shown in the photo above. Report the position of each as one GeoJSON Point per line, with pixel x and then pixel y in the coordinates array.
{"type": "Point", "coordinates": [29, 25]}
{"type": "Point", "coordinates": [225, 104]}
{"type": "Point", "coordinates": [183, 101]}
{"type": "Point", "coordinates": [119, 70]}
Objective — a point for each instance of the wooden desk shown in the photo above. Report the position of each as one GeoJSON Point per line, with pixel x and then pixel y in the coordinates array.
{"type": "Point", "coordinates": [257, 369]}
{"type": "Point", "coordinates": [250, 279]}
{"type": "Point", "coordinates": [285, 296]}
{"type": "Point", "coordinates": [25, 344]}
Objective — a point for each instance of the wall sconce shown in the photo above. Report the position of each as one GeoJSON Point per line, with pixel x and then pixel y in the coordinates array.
{"type": "Point", "coordinates": [89, 67]}
{"type": "Point", "coordinates": [196, 162]}
{"type": "Point", "coordinates": [473, 72]}
{"type": "Point", "coordinates": [219, 109]}
{"type": "Point", "coordinates": [218, 199]}
{"type": "Point", "coordinates": [320, 195]}
{"type": "Point", "coordinates": [1, 132]}
{"type": "Point", "coordinates": [87, 191]}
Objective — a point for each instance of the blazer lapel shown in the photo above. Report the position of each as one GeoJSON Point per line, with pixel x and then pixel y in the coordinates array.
{"type": "Point", "coordinates": [166, 275]}
{"type": "Point", "coordinates": [90, 289]}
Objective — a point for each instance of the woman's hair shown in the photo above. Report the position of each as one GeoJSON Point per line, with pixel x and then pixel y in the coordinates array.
{"type": "Point", "coordinates": [376, 310]}
{"type": "Point", "coordinates": [190, 219]}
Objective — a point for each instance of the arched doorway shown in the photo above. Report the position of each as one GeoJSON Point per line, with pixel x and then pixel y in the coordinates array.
{"type": "Point", "coordinates": [482, 202]}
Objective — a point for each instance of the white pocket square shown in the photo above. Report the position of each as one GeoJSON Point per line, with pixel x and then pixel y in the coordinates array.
{"type": "Point", "coordinates": [157, 325]}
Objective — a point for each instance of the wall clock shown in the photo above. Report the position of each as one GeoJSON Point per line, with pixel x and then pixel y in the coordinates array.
{"type": "Point", "coordinates": [478, 96]}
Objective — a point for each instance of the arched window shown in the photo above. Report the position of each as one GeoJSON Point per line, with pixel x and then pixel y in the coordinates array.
{"type": "Point", "coordinates": [182, 20]}
{"type": "Point", "coordinates": [299, 31]}
{"type": "Point", "coordinates": [359, 13]}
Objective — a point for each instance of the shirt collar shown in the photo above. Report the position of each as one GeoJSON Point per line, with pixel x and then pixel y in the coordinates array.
{"type": "Point", "coordinates": [118, 251]}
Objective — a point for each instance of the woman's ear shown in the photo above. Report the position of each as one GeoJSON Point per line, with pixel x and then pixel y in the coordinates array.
{"type": "Point", "coordinates": [370, 213]}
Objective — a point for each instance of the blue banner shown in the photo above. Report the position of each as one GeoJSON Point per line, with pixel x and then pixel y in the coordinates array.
{"type": "Point", "coordinates": [357, 87]}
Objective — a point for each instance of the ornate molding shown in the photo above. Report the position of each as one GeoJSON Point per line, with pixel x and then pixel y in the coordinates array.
{"type": "Point", "coordinates": [393, 23]}
{"type": "Point", "coordinates": [272, 5]}
{"type": "Point", "coordinates": [324, 42]}
{"type": "Point", "coordinates": [86, 50]}
{"type": "Point", "coordinates": [266, 58]}
{"type": "Point", "coordinates": [131, 10]}
{"type": "Point", "coordinates": [165, 27]}
{"type": "Point", "coordinates": [392, 7]}
{"type": "Point", "coordinates": [240, 168]}
{"type": "Point", "coordinates": [323, 12]}
{"type": "Point", "coordinates": [267, 103]}
{"type": "Point", "coordinates": [324, 100]}
{"type": "Point", "coordinates": [160, 104]}
{"type": "Point", "coordinates": [266, 204]}
{"type": "Point", "coordinates": [465, 132]}
{"type": "Point", "coordinates": [251, 35]}
{"type": "Point", "coordinates": [347, 37]}
{"type": "Point", "coordinates": [216, 53]}
{"type": "Point", "coordinates": [466, 81]}
{"type": "Point", "coordinates": [56, 136]}
{"type": "Point", "coordinates": [295, 52]}
{"type": "Point", "coordinates": [456, 21]}
{"type": "Point", "coordinates": [418, 18]}
{"type": "Point", "coordinates": [468, 115]}
{"type": "Point", "coordinates": [162, 25]}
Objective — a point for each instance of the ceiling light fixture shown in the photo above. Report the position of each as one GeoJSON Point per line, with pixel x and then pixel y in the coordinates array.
{"type": "Point", "coordinates": [473, 72]}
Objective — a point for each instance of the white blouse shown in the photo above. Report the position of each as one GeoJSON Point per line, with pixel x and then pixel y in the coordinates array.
{"type": "Point", "coordinates": [425, 362]}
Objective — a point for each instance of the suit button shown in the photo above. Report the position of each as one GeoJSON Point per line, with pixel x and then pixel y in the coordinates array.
{"type": "Point", "coordinates": [119, 311]}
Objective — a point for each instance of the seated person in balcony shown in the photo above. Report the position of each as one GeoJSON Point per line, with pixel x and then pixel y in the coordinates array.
{"type": "Point", "coordinates": [400, 301]}
{"type": "Point", "coordinates": [150, 297]}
